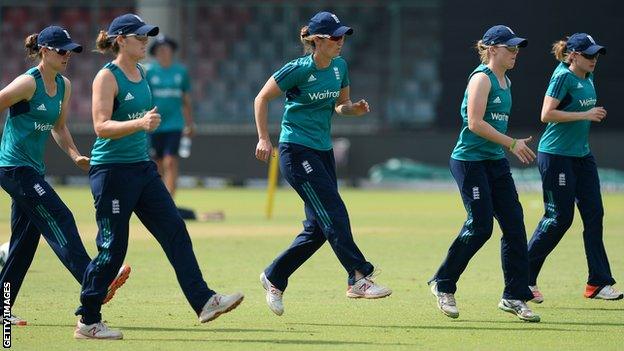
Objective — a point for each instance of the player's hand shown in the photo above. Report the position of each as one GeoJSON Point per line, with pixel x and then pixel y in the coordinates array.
{"type": "Point", "coordinates": [151, 120]}
{"type": "Point", "coordinates": [522, 151]}
{"type": "Point", "coordinates": [189, 130]}
{"type": "Point", "coordinates": [82, 162]}
{"type": "Point", "coordinates": [360, 108]}
{"type": "Point", "coordinates": [264, 150]}
{"type": "Point", "coordinates": [596, 114]}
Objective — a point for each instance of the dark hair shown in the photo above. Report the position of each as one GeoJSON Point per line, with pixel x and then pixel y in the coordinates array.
{"type": "Point", "coordinates": [307, 40]}
{"type": "Point", "coordinates": [560, 51]}
{"type": "Point", "coordinates": [105, 44]}
{"type": "Point", "coordinates": [32, 48]}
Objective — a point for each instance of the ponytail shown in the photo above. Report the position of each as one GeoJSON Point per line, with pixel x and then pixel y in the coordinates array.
{"type": "Point", "coordinates": [307, 40]}
{"type": "Point", "coordinates": [484, 53]}
{"type": "Point", "coordinates": [105, 44]}
{"type": "Point", "coordinates": [32, 48]}
{"type": "Point", "coordinates": [560, 51]}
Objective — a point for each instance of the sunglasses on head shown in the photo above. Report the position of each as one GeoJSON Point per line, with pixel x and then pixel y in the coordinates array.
{"type": "Point", "coordinates": [332, 38]}
{"type": "Point", "coordinates": [510, 48]}
{"type": "Point", "coordinates": [61, 52]}
{"type": "Point", "coordinates": [137, 36]}
{"type": "Point", "coordinates": [589, 57]}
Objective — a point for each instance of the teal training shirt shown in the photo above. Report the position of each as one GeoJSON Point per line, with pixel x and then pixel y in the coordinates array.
{"type": "Point", "coordinates": [168, 87]}
{"type": "Point", "coordinates": [470, 146]}
{"type": "Point", "coordinates": [132, 101]}
{"type": "Point", "coordinates": [575, 95]}
{"type": "Point", "coordinates": [311, 96]}
{"type": "Point", "coordinates": [29, 123]}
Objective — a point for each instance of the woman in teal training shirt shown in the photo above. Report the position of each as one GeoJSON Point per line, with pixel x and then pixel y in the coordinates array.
{"type": "Point", "coordinates": [124, 180]}
{"type": "Point", "coordinates": [316, 86]}
{"type": "Point", "coordinates": [482, 173]}
{"type": "Point", "coordinates": [568, 168]}
{"type": "Point", "coordinates": [38, 103]}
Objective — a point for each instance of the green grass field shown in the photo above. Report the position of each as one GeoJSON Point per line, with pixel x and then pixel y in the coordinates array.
{"type": "Point", "coordinates": [404, 233]}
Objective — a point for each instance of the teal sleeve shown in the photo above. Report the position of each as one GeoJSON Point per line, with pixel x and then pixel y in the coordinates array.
{"type": "Point", "coordinates": [289, 76]}
{"type": "Point", "coordinates": [558, 87]}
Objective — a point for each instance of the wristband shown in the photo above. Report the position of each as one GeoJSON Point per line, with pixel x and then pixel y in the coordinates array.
{"type": "Point", "coordinates": [513, 145]}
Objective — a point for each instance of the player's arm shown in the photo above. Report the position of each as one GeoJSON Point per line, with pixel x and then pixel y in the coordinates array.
{"type": "Point", "coordinates": [21, 88]}
{"type": "Point", "coordinates": [187, 111]}
{"type": "Point", "coordinates": [63, 137]}
{"type": "Point", "coordinates": [269, 91]}
{"type": "Point", "coordinates": [345, 107]}
{"type": "Point", "coordinates": [104, 91]}
{"type": "Point", "coordinates": [478, 90]}
{"type": "Point", "coordinates": [550, 114]}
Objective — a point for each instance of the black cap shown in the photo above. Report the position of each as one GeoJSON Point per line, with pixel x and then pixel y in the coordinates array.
{"type": "Point", "coordinates": [326, 23]}
{"type": "Point", "coordinates": [503, 35]}
{"type": "Point", "coordinates": [131, 24]}
{"type": "Point", "coordinates": [583, 42]}
{"type": "Point", "coordinates": [57, 38]}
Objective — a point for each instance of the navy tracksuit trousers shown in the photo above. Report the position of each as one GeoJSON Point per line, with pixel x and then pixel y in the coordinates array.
{"type": "Point", "coordinates": [36, 209]}
{"type": "Point", "coordinates": [488, 191]}
{"type": "Point", "coordinates": [118, 191]}
{"type": "Point", "coordinates": [312, 174]}
{"type": "Point", "coordinates": [565, 180]}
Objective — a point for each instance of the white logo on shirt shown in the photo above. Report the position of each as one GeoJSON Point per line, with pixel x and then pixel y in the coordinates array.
{"type": "Point", "coordinates": [155, 80]}
{"type": "Point", "coordinates": [587, 102]}
{"type": "Point", "coordinates": [312, 78]}
{"type": "Point", "coordinates": [497, 100]}
{"type": "Point", "coordinates": [39, 189]}
{"type": "Point", "coordinates": [43, 127]}
{"type": "Point", "coordinates": [562, 179]}
{"type": "Point", "coordinates": [115, 205]}
{"type": "Point", "coordinates": [42, 108]}
{"type": "Point", "coordinates": [306, 166]}
{"type": "Point", "coordinates": [129, 97]}
{"type": "Point", "coordinates": [337, 73]}
{"type": "Point", "coordinates": [579, 86]}
{"type": "Point", "coordinates": [476, 195]}
{"type": "Point", "coordinates": [323, 95]}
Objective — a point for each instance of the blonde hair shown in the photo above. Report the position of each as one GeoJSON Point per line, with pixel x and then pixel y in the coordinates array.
{"type": "Point", "coordinates": [307, 40]}
{"type": "Point", "coordinates": [105, 44]}
{"type": "Point", "coordinates": [484, 53]}
{"type": "Point", "coordinates": [560, 51]}
{"type": "Point", "coordinates": [32, 48]}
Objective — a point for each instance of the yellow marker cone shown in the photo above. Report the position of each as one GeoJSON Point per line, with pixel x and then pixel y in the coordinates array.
{"type": "Point", "coordinates": [272, 183]}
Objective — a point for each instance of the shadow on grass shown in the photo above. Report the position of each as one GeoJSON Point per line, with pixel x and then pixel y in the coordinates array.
{"type": "Point", "coordinates": [281, 341]}
{"type": "Point", "coordinates": [583, 309]}
{"type": "Point", "coordinates": [522, 326]}
{"type": "Point", "coordinates": [554, 322]}
{"type": "Point", "coordinates": [198, 329]}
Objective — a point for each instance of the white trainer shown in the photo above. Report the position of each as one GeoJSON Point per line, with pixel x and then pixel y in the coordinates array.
{"type": "Point", "coordinates": [537, 295]}
{"type": "Point", "coordinates": [366, 288]}
{"type": "Point", "coordinates": [446, 301]}
{"type": "Point", "coordinates": [519, 308]}
{"type": "Point", "coordinates": [273, 295]}
{"type": "Point", "coordinates": [96, 331]}
{"type": "Point", "coordinates": [15, 320]}
{"type": "Point", "coordinates": [219, 304]}
{"type": "Point", "coordinates": [606, 292]}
